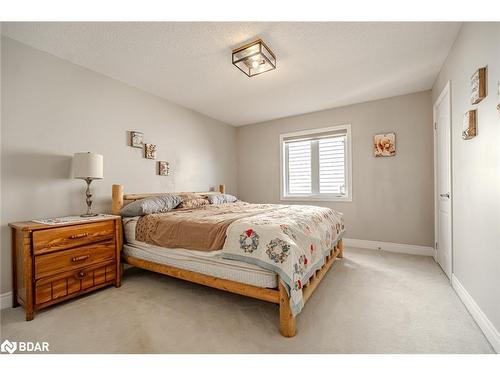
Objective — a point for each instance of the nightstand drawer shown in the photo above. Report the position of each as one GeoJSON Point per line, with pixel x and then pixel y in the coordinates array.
{"type": "Point", "coordinates": [68, 260]}
{"type": "Point", "coordinates": [54, 239]}
{"type": "Point", "coordinates": [72, 283]}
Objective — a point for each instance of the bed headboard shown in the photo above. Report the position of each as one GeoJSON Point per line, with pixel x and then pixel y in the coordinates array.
{"type": "Point", "coordinates": [120, 199]}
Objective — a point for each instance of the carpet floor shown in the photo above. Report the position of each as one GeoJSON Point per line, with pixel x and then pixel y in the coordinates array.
{"type": "Point", "coordinates": [369, 302]}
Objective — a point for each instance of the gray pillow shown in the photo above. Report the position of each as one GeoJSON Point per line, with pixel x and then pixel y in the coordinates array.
{"type": "Point", "coordinates": [151, 205]}
{"type": "Point", "coordinates": [221, 198]}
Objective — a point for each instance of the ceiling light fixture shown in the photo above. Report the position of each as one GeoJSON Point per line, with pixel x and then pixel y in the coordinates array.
{"type": "Point", "coordinates": [254, 58]}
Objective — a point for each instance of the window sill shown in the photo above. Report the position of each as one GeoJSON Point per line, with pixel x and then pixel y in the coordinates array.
{"type": "Point", "coordinates": [315, 198]}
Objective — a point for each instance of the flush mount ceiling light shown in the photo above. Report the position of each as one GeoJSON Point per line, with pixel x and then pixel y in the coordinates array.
{"type": "Point", "coordinates": [254, 58]}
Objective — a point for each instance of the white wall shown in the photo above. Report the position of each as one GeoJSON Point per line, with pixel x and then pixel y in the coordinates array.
{"type": "Point", "coordinates": [476, 167]}
{"type": "Point", "coordinates": [392, 197]}
{"type": "Point", "coordinates": [52, 109]}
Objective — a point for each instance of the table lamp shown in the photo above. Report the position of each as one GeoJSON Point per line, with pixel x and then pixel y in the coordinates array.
{"type": "Point", "coordinates": [88, 166]}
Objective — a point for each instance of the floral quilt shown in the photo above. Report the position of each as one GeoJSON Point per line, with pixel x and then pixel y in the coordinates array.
{"type": "Point", "coordinates": [292, 241]}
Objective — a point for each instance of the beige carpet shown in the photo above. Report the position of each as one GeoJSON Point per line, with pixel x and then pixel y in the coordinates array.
{"type": "Point", "coordinates": [369, 302]}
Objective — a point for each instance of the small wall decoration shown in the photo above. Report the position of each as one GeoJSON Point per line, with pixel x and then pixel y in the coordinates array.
{"type": "Point", "coordinates": [150, 151]}
{"type": "Point", "coordinates": [478, 86]}
{"type": "Point", "coordinates": [469, 124]}
{"type": "Point", "coordinates": [498, 105]}
{"type": "Point", "coordinates": [136, 139]}
{"type": "Point", "coordinates": [163, 168]}
{"type": "Point", "coordinates": [384, 144]}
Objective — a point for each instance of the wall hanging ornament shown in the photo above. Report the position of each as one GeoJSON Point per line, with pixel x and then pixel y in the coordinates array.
{"type": "Point", "coordinates": [384, 144]}
{"type": "Point", "coordinates": [469, 129]}
{"type": "Point", "coordinates": [498, 100]}
{"type": "Point", "coordinates": [163, 168]}
{"type": "Point", "coordinates": [136, 139]}
{"type": "Point", "coordinates": [478, 86]}
{"type": "Point", "coordinates": [150, 151]}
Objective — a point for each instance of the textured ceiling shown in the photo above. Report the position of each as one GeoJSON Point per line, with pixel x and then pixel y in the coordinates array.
{"type": "Point", "coordinates": [319, 65]}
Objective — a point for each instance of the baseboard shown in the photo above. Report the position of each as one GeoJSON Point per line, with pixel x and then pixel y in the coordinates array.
{"type": "Point", "coordinates": [481, 319]}
{"type": "Point", "coordinates": [5, 300]}
{"type": "Point", "coordinates": [389, 246]}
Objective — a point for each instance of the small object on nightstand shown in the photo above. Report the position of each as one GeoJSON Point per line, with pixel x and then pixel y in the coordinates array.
{"type": "Point", "coordinates": [71, 219]}
{"type": "Point", "coordinates": [56, 262]}
{"type": "Point", "coordinates": [88, 166]}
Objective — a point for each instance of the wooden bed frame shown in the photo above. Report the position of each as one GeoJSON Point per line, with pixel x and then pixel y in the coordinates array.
{"type": "Point", "coordinates": [278, 296]}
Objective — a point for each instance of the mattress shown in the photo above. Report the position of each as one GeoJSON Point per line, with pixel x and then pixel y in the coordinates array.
{"type": "Point", "coordinates": [208, 263]}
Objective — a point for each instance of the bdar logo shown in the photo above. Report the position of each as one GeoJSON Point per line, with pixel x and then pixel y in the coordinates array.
{"type": "Point", "coordinates": [8, 346]}
{"type": "Point", "coordinates": [24, 346]}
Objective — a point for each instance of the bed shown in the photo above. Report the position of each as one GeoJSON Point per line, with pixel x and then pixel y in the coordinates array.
{"type": "Point", "coordinates": [274, 253]}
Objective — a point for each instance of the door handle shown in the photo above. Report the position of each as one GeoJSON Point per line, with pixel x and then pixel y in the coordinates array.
{"type": "Point", "coordinates": [447, 195]}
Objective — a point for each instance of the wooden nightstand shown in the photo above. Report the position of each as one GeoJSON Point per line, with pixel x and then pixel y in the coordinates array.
{"type": "Point", "coordinates": [53, 263]}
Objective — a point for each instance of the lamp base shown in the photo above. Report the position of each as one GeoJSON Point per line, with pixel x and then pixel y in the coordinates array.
{"type": "Point", "coordinates": [88, 215]}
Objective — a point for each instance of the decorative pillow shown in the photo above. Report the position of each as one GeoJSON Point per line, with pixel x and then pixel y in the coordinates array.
{"type": "Point", "coordinates": [221, 198]}
{"type": "Point", "coordinates": [194, 202]}
{"type": "Point", "coordinates": [151, 205]}
{"type": "Point", "coordinates": [188, 196]}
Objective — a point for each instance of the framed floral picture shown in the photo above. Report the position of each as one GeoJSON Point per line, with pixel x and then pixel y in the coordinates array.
{"type": "Point", "coordinates": [150, 151]}
{"type": "Point", "coordinates": [163, 168]}
{"type": "Point", "coordinates": [384, 144]}
{"type": "Point", "coordinates": [136, 139]}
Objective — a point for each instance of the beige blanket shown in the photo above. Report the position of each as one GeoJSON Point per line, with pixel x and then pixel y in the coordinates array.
{"type": "Point", "coordinates": [201, 228]}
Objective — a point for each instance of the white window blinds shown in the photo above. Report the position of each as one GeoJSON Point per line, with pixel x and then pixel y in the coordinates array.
{"type": "Point", "coordinates": [299, 167]}
{"type": "Point", "coordinates": [315, 164]}
{"type": "Point", "coordinates": [332, 165]}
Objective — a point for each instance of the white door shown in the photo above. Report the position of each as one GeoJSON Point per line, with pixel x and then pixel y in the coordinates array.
{"type": "Point", "coordinates": [442, 165]}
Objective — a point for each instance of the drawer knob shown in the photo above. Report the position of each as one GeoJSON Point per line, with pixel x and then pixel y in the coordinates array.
{"type": "Point", "coordinates": [81, 275]}
{"type": "Point", "coordinates": [79, 235]}
{"type": "Point", "coordinates": [80, 258]}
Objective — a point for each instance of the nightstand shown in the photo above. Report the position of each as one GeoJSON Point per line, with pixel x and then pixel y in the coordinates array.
{"type": "Point", "coordinates": [53, 263]}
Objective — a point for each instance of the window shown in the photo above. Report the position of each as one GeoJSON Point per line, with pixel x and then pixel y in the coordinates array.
{"type": "Point", "coordinates": [316, 164]}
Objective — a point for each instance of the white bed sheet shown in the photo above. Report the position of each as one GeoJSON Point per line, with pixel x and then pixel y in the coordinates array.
{"type": "Point", "coordinates": [206, 262]}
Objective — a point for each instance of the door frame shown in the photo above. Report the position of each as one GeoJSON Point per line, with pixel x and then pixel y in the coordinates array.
{"type": "Point", "coordinates": [446, 91]}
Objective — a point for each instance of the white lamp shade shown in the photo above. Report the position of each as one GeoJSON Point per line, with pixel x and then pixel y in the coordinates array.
{"type": "Point", "coordinates": [87, 165]}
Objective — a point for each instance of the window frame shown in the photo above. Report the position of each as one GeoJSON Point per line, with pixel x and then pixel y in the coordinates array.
{"type": "Point", "coordinates": [284, 196]}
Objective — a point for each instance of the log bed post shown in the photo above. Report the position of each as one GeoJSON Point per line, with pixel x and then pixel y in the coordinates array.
{"type": "Point", "coordinates": [340, 246]}
{"type": "Point", "coordinates": [287, 320]}
{"type": "Point", "coordinates": [117, 199]}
